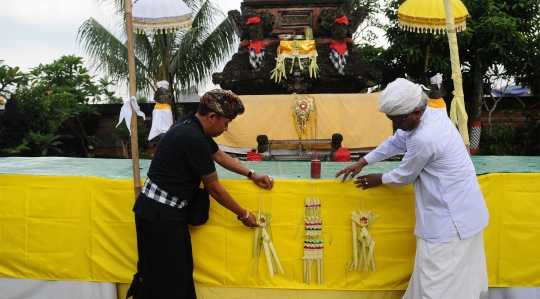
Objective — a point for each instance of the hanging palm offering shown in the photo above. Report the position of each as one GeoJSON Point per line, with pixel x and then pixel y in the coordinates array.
{"type": "Point", "coordinates": [363, 243]}
{"type": "Point", "coordinates": [262, 239]}
{"type": "Point", "coordinates": [313, 240]}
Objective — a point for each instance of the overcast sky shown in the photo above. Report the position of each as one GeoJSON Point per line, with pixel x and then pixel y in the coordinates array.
{"type": "Point", "coordinates": [41, 31]}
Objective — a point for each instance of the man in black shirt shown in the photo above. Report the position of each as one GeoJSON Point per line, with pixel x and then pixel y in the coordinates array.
{"type": "Point", "coordinates": [184, 157]}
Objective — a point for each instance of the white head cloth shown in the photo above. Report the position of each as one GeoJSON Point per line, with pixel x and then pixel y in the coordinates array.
{"type": "Point", "coordinates": [163, 84]}
{"type": "Point", "coordinates": [400, 97]}
{"type": "Point", "coordinates": [437, 79]}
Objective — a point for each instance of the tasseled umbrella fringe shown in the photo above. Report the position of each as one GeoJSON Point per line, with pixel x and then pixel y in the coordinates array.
{"type": "Point", "coordinates": [424, 28]}
{"type": "Point", "coordinates": [151, 29]}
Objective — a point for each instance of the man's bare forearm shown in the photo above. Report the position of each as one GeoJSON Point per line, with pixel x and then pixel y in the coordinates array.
{"type": "Point", "coordinates": [214, 188]}
{"type": "Point", "coordinates": [229, 163]}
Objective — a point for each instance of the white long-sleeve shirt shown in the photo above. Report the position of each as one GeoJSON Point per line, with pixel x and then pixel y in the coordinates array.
{"type": "Point", "coordinates": [446, 189]}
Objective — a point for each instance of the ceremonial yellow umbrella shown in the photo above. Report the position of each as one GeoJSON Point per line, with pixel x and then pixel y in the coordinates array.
{"type": "Point", "coordinates": [152, 16]}
{"type": "Point", "coordinates": [428, 16]}
{"type": "Point", "coordinates": [441, 16]}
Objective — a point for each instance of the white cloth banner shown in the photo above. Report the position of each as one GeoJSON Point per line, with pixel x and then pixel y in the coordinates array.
{"type": "Point", "coordinates": [162, 120]}
{"type": "Point", "coordinates": [125, 112]}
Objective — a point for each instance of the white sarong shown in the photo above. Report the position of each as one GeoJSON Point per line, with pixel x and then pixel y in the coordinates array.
{"type": "Point", "coordinates": [449, 270]}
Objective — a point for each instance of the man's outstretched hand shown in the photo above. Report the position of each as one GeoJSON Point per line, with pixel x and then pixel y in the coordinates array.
{"type": "Point", "coordinates": [263, 181]}
{"type": "Point", "coordinates": [352, 170]}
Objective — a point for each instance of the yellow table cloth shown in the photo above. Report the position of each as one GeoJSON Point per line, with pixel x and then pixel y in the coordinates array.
{"type": "Point", "coordinates": [82, 228]}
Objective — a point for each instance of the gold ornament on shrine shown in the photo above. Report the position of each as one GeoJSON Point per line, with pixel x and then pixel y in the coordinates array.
{"type": "Point", "coordinates": [302, 108]}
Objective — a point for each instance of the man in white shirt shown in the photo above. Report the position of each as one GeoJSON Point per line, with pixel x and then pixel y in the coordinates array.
{"type": "Point", "coordinates": [451, 213]}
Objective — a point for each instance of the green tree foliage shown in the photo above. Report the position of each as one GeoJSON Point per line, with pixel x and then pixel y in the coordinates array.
{"type": "Point", "coordinates": [502, 39]}
{"type": "Point", "coordinates": [14, 151]}
{"type": "Point", "coordinates": [57, 97]}
{"type": "Point", "coordinates": [122, 132]}
{"type": "Point", "coordinates": [10, 77]}
{"type": "Point", "coordinates": [506, 140]}
{"type": "Point", "coordinates": [367, 32]}
{"type": "Point", "coordinates": [194, 54]}
{"type": "Point", "coordinates": [68, 74]}
{"type": "Point", "coordinates": [48, 111]}
{"type": "Point", "coordinates": [530, 132]}
{"type": "Point", "coordinates": [44, 143]}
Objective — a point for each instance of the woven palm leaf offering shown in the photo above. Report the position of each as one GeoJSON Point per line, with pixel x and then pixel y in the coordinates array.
{"type": "Point", "coordinates": [313, 240]}
{"type": "Point", "coordinates": [363, 243]}
{"type": "Point", "coordinates": [262, 239]}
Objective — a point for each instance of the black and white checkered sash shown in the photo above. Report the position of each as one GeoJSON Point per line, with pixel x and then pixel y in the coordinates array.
{"type": "Point", "coordinates": [255, 59]}
{"type": "Point", "coordinates": [339, 61]}
{"type": "Point", "coordinates": [154, 192]}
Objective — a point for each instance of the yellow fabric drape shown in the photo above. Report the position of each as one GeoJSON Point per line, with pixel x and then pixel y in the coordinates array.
{"type": "Point", "coordinates": [82, 228]}
{"type": "Point", "coordinates": [436, 103]}
{"type": "Point", "coordinates": [306, 47]}
{"type": "Point", "coordinates": [355, 116]}
{"type": "Point", "coordinates": [160, 106]}
{"type": "Point", "coordinates": [458, 114]}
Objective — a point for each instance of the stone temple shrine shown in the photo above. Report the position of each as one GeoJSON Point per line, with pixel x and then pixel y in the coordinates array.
{"type": "Point", "coordinates": [300, 76]}
{"type": "Point", "coordinates": [300, 46]}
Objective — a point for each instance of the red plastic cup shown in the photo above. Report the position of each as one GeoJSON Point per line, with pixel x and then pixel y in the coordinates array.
{"type": "Point", "coordinates": [315, 169]}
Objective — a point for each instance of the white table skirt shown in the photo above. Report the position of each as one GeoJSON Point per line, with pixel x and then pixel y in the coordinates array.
{"type": "Point", "coordinates": [514, 293]}
{"type": "Point", "coordinates": [16, 288]}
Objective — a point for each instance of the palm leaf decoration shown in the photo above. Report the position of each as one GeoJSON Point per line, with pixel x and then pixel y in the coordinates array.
{"type": "Point", "coordinates": [194, 54]}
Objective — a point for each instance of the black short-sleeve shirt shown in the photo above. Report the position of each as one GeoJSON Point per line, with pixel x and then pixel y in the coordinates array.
{"type": "Point", "coordinates": [183, 154]}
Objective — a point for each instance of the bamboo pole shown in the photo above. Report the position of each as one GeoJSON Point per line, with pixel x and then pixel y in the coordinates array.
{"type": "Point", "coordinates": [132, 93]}
{"type": "Point", "coordinates": [457, 110]}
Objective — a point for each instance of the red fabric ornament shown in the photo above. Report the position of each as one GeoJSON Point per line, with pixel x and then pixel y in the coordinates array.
{"type": "Point", "coordinates": [342, 155]}
{"type": "Point", "coordinates": [251, 156]}
{"type": "Point", "coordinates": [257, 46]}
{"type": "Point", "coordinates": [253, 20]}
{"type": "Point", "coordinates": [341, 48]}
{"type": "Point", "coordinates": [342, 20]}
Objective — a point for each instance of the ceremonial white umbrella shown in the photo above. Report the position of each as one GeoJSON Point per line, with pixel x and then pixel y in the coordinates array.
{"type": "Point", "coordinates": [154, 17]}
{"type": "Point", "coordinates": [150, 17]}
{"type": "Point", "coordinates": [439, 16]}
{"type": "Point", "coordinates": [158, 16]}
